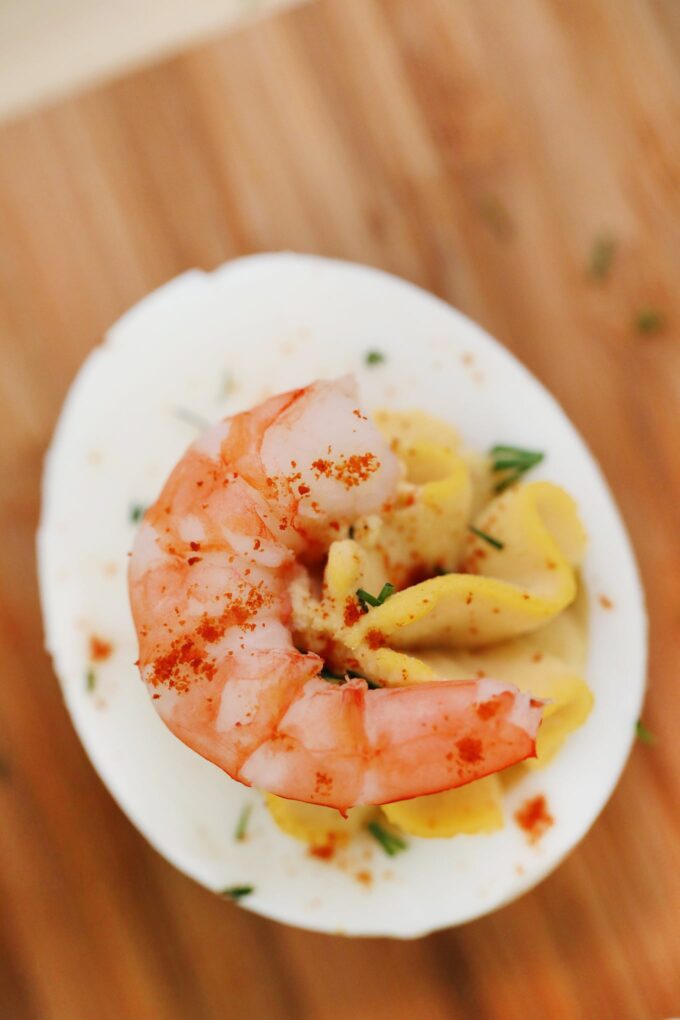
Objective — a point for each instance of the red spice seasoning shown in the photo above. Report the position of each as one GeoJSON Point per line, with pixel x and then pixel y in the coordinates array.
{"type": "Point", "coordinates": [351, 471]}
{"type": "Point", "coordinates": [534, 818]}
{"type": "Point", "coordinates": [99, 649]}
{"type": "Point", "coordinates": [326, 851]}
{"type": "Point", "coordinates": [470, 749]}
{"type": "Point", "coordinates": [353, 611]}
{"type": "Point", "coordinates": [188, 658]}
{"type": "Point", "coordinates": [185, 660]}
{"type": "Point", "coordinates": [375, 639]}
{"type": "Point", "coordinates": [323, 852]}
{"type": "Point", "coordinates": [323, 783]}
{"type": "Point", "coordinates": [356, 469]}
{"type": "Point", "coordinates": [487, 709]}
{"type": "Point", "coordinates": [322, 467]}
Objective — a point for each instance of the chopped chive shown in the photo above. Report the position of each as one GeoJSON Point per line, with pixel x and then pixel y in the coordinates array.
{"type": "Point", "coordinates": [374, 357]}
{"type": "Point", "coordinates": [497, 216]}
{"type": "Point", "coordinates": [601, 257]}
{"type": "Point", "coordinates": [507, 463]}
{"type": "Point", "coordinates": [514, 460]}
{"type": "Point", "coordinates": [191, 418]}
{"type": "Point", "coordinates": [242, 824]}
{"type": "Point", "coordinates": [644, 735]}
{"type": "Point", "coordinates": [505, 483]}
{"type": "Point", "coordinates": [516, 454]}
{"type": "Point", "coordinates": [648, 321]}
{"type": "Point", "coordinates": [391, 843]}
{"type": "Point", "coordinates": [350, 533]}
{"type": "Point", "coordinates": [516, 451]}
{"type": "Point", "coordinates": [496, 543]}
{"type": "Point", "coordinates": [237, 892]}
{"type": "Point", "coordinates": [366, 599]}
{"type": "Point", "coordinates": [137, 511]}
{"type": "Point", "coordinates": [90, 680]}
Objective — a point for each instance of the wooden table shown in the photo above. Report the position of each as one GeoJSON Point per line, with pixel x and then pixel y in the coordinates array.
{"type": "Point", "coordinates": [479, 149]}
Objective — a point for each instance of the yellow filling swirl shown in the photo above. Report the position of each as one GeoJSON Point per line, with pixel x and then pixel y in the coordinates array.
{"type": "Point", "coordinates": [488, 586]}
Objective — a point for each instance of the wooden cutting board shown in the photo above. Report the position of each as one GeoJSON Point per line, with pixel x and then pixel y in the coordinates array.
{"type": "Point", "coordinates": [487, 151]}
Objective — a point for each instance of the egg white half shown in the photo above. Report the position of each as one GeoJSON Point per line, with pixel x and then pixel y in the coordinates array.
{"type": "Point", "coordinates": [211, 344]}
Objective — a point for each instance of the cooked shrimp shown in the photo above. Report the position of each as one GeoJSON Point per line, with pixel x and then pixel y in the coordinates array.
{"type": "Point", "coordinates": [256, 496]}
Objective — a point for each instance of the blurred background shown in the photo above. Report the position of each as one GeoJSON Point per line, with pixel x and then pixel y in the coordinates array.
{"type": "Point", "coordinates": [520, 159]}
{"type": "Point", "coordinates": [52, 47]}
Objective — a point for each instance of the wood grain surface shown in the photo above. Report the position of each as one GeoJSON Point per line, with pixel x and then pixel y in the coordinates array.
{"type": "Point", "coordinates": [480, 149]}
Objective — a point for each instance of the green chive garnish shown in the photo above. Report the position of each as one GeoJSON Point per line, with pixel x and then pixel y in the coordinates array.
{"type": "Point", "coordinates": [391, 843]}
{"type": "Point", "coordinates": [644, 735]}
{"type": "Point", "coordinates": [514, 460]}
{"type": "Point", "coordinates": [496, 543]}
{"type": "Point", "coordinates": [648, 321]}
{"type": "Point", "coordinates": [90, 680]}
{"type": "Point", "coordinates": [242, 824]}
{"type": "Point", "coordinates": [374, 357]}
{"type": "Point", "coordinates": [137, 511]}
{"type": "Point", "coordinates": [601, 257]}
{"type": "Point", "coordinates": [350, 533]}
{"type": "Point", "coordinates": [497, 216]}
{"type": "Point", "coordinates": [191, 418]}
{"type": "Point", "coordinates": [366, 599]}
{"type": "Point", "coordinates": [237, 892]}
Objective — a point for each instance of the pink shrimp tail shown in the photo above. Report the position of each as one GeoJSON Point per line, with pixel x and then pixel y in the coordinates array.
{"type": "Point", "coordinates": [347, 745]}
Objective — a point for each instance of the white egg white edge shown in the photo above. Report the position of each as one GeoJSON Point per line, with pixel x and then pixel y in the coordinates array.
{"type": "Point", "coordinates": [275, 321]}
